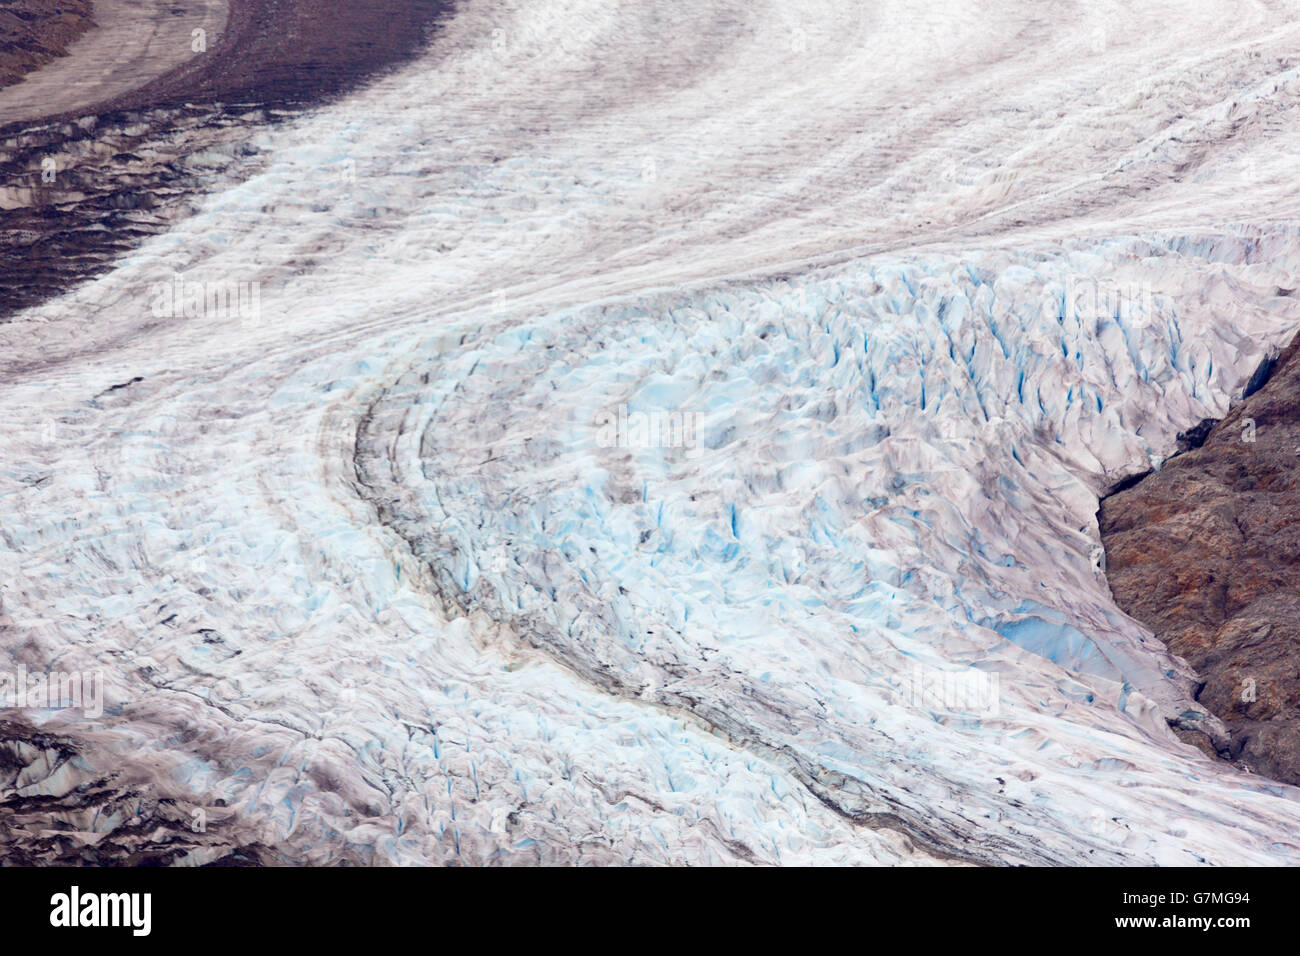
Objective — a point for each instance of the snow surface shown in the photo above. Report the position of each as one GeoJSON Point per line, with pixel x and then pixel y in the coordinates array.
{"type": "Point", "coordinates": [361, 566]}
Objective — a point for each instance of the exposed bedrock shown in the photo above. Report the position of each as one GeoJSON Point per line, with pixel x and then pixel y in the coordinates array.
{"type": "Point", "coordinates": [1206, 553]}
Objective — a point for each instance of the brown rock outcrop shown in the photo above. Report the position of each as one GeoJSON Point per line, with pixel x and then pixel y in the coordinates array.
{"type": "Point", "coordinates": [1206, 553]}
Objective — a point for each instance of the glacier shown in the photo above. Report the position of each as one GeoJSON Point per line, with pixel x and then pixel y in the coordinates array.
{"type": "Point", "coordinates": [359, 570]}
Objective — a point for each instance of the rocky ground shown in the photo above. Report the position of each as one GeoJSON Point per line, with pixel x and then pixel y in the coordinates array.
{"type": "Point", "coordinates": [1206, 553]}
{"type": "Point", "coordinates": [33, 32]}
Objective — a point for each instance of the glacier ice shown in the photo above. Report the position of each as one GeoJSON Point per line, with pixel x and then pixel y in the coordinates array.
{"type": "Point", "coordinates": [362, 568]}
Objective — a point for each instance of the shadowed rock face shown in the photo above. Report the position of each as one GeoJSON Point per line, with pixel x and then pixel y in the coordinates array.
{"type": "Point", "coordinates": [33, 32]}
{"type": "Point", "coordinates": [1206, 553]}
